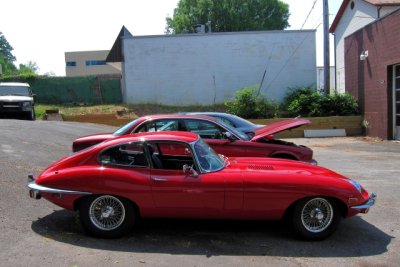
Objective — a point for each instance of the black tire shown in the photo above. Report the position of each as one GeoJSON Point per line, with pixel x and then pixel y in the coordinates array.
{"type": "Point", "coordinates": [31, 115]}
{"type": "Point", "coordinates": [106, 216]}
{"type": "Point", "coordinates": [315, 218]}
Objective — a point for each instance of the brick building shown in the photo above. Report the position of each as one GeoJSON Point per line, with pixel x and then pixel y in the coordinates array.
{"type": "Point", "coordinates": [372, 71]}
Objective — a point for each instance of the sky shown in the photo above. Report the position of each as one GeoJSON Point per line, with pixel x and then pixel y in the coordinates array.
{"type": "Point", "coordinates": [43, 30]}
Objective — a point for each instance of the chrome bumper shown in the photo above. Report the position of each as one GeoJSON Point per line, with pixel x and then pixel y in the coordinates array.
{"type": "Point", "coordinates": [364, 208]}
{"type": "Point", "coordinates": [35, 189]}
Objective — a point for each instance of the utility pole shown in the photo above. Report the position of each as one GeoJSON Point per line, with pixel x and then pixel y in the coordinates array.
{"type": "Point", "coordinates": [326, 48]}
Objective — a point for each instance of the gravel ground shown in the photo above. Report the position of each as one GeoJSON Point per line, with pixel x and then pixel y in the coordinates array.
{"type": "Point", "coordinates": [39, 233]}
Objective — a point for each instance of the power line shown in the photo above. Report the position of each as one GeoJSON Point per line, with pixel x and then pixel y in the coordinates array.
{"type": "Point", "coordinates": [312, 8]}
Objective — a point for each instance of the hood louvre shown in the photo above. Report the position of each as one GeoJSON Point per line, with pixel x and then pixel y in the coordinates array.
{"type": "Point", "coordinates": [259, 167]}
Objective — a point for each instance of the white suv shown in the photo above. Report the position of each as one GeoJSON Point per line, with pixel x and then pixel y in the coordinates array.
{"type": "Point", "coordinates": [17, 98]}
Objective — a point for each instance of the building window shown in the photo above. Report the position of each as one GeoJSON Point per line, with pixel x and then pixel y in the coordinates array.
{"type": "Point", "coordinates": [352, 5]}
{"type": "Point", "coordinates": [71, 64]}
{"type": "Point", "coordinates": [95, 62]}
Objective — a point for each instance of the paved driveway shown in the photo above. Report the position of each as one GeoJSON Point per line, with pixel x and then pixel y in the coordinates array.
{"type": "Point", "coordinates": [38, 233]}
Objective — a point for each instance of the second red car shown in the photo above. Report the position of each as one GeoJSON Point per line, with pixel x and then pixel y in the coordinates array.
{"type": "Point", "coordinates": [222, 138]}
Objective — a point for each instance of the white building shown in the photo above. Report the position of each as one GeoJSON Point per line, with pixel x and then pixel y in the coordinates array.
{"type": "Point", "coordinates": [352, 16]}
{"type": "Point", "coordinates": [188, 69]}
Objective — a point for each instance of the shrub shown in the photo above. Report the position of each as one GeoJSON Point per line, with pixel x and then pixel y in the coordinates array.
{"type": "Point", "coordinates": [250, 105]}
{"type": "Point", "coordinates": [306, 101]}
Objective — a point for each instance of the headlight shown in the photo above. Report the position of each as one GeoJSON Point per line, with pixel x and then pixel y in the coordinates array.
{"type": "Point", "coordinates": [26, 106]}
{"type": "Point", "coordinates": [355, 184]}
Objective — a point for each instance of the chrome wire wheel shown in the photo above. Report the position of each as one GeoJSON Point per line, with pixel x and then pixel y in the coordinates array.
{"type": "Point", "coordinates": [107, 213]}
{"type": "Point", "coordinates": [317, 214]}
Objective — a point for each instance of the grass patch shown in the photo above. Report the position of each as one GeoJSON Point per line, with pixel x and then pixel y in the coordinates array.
{"type": "Point", "coordinates": [117, 115]}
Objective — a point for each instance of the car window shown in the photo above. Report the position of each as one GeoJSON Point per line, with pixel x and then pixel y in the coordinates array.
{"type": "Point", "coordinates": [224, 120]}
{"type": "Point", "coordinates": [129, 154]}
{"type": "Point", "coordinates": [170, 155]}
{"type": "Point", "coordinates": [159, 125]}
{"type": "Point", "coordinates": [209, 161]}
{"type": "Point", "coordinates": [205, 129]}
{"type": "Point", "coordinates": [123, 130]}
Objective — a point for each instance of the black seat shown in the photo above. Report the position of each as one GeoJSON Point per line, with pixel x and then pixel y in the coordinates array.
{"type": "Point", "coordinates": [157, 163]}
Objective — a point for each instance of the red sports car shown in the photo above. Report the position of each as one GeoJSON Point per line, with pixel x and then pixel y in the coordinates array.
{"type": "Point", "coordinates": [223, 138]}
{"type": "Point", "coordinates": [176, 174]}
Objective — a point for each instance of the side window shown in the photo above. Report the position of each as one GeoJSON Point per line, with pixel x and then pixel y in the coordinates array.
{"type": "Point", "coordinates": [205, 129]}
{"type": "Point", "coordinates": [159, 125]}
{"type": "Point", "coordinates": [130, 154]}
{"type": "Point", "coordinates": [226, 121]}
{"type": "Point", "coordinates": [170, 155]}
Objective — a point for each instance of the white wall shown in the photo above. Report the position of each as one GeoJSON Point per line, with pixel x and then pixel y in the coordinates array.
{"type": "Point", "coordinates": [352, 20]}
{"type": "Point", "coordinates": [210, 68]}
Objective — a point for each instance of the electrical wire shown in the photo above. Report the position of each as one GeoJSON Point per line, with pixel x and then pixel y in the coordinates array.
{"type": "Point", "coordinates": [312, 8]}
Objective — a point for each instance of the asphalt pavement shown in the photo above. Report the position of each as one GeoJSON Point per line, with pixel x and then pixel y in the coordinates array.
{"type": "Point", "coordinates": [38, 233]}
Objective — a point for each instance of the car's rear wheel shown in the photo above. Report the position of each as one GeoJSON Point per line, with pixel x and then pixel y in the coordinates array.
{"type": "Point", "coordinates": [107, 216]}
{"type": "Point", "coordinates": [315, 218]}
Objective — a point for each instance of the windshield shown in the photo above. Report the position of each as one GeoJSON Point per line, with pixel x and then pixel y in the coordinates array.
{"type": "Point", "coordinates": [235, 131]}
{"type": "Point", "coordinates": [123, 129]}
{"type": "Point", "coordinates": [237, 121]}
{"type": "Point", "coordinates": [209, 161]}
{"type": "Point", "coordinates": [14, 90]}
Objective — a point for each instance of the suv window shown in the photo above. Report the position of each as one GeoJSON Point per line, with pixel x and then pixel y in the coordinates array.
{"type": "Point", "coordinates": [15, 90]}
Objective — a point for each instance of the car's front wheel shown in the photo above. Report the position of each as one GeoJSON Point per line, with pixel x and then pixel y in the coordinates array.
{"type": "Point", "coordinates": [31, 115]}
{"type": "Point", "coordinates": [106, 216]}
{"type": "Point", "coordinates": [315, 218]}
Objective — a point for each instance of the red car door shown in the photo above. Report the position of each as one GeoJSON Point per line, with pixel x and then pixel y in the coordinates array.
{"type": "Point", "coordinates": [229, 148]}
{"type": "Point", "coordinates": [173, 189]}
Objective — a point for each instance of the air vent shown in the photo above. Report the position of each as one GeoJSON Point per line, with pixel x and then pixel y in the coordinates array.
{"type": "Point", "coordinates": [260, 167]}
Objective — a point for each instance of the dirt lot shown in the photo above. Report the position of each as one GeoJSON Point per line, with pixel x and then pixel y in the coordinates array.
{"type": "Point", "coordinates": [39, 233]}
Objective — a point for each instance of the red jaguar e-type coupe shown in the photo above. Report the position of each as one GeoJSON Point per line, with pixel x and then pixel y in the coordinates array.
{"type": "Point", "coordinates": [176, 174]}
{"type": "Point", "coordinates": [223, 138]}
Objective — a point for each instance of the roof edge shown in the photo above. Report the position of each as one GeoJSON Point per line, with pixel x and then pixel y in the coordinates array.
{"type": "Point", "coordinates": [115, 54]}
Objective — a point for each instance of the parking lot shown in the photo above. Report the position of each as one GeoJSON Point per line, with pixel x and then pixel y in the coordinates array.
{"type": "Point", "coordinates": [39, 233]}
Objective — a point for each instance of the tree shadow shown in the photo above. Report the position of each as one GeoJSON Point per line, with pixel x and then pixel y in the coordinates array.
{"type": "Point", "coordinates": [354, 238]}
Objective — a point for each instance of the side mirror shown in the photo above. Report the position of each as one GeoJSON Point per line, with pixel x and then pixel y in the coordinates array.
{"type": "Point", "coordinates": [189, 170]}
{"type": "Point", "coordinates": [228, 135]}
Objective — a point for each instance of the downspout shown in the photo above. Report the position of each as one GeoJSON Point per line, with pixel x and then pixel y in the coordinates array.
{"type": "Point", "coordinates": [334, 58]}
{"type": "Point", "coordinates": [379, 12]}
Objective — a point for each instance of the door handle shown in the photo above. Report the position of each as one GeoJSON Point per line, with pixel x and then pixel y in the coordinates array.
{"type": "Point", "coordinates": [156, 179]}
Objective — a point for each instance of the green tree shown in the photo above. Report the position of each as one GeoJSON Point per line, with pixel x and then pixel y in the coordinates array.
{"type": "Point", "coordinates": [7, 66]}
{"type": "Point", "coordinates": [6, 56]}
{"type": "Point", "coordinates": [229, 15]}
{"type": "Point", "coordinates": [30, 68]}
{"type": "Point", "coordinates": [6, 49]}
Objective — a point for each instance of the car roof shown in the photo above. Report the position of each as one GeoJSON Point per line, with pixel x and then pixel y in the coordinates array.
{"type": "Point", "coordinates": [15, 84]}
{"type": "Point", "coordinates": [183, 116]}
{"type": "Point", "coordinates": [180, 136]}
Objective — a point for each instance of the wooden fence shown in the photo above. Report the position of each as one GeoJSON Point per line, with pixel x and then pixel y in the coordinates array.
{"type": "Point", "coordinates": [352, 125]}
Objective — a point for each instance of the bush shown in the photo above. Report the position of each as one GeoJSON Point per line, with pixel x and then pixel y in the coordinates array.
{"type": "Point", "coordinates": [250, 105]}
{"type": "Point", "coordinates": [306, 101]}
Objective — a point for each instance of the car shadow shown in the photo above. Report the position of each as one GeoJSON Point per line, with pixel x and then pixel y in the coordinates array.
{"type": "Point", "coordinates": [354, 238]}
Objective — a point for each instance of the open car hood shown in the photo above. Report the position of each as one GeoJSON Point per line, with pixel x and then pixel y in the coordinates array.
{"type": "Point", "coordinates": [278, 127]}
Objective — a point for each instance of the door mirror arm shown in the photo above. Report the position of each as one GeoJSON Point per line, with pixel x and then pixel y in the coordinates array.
{"type": "Point", "coordinates": [189, 170]}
